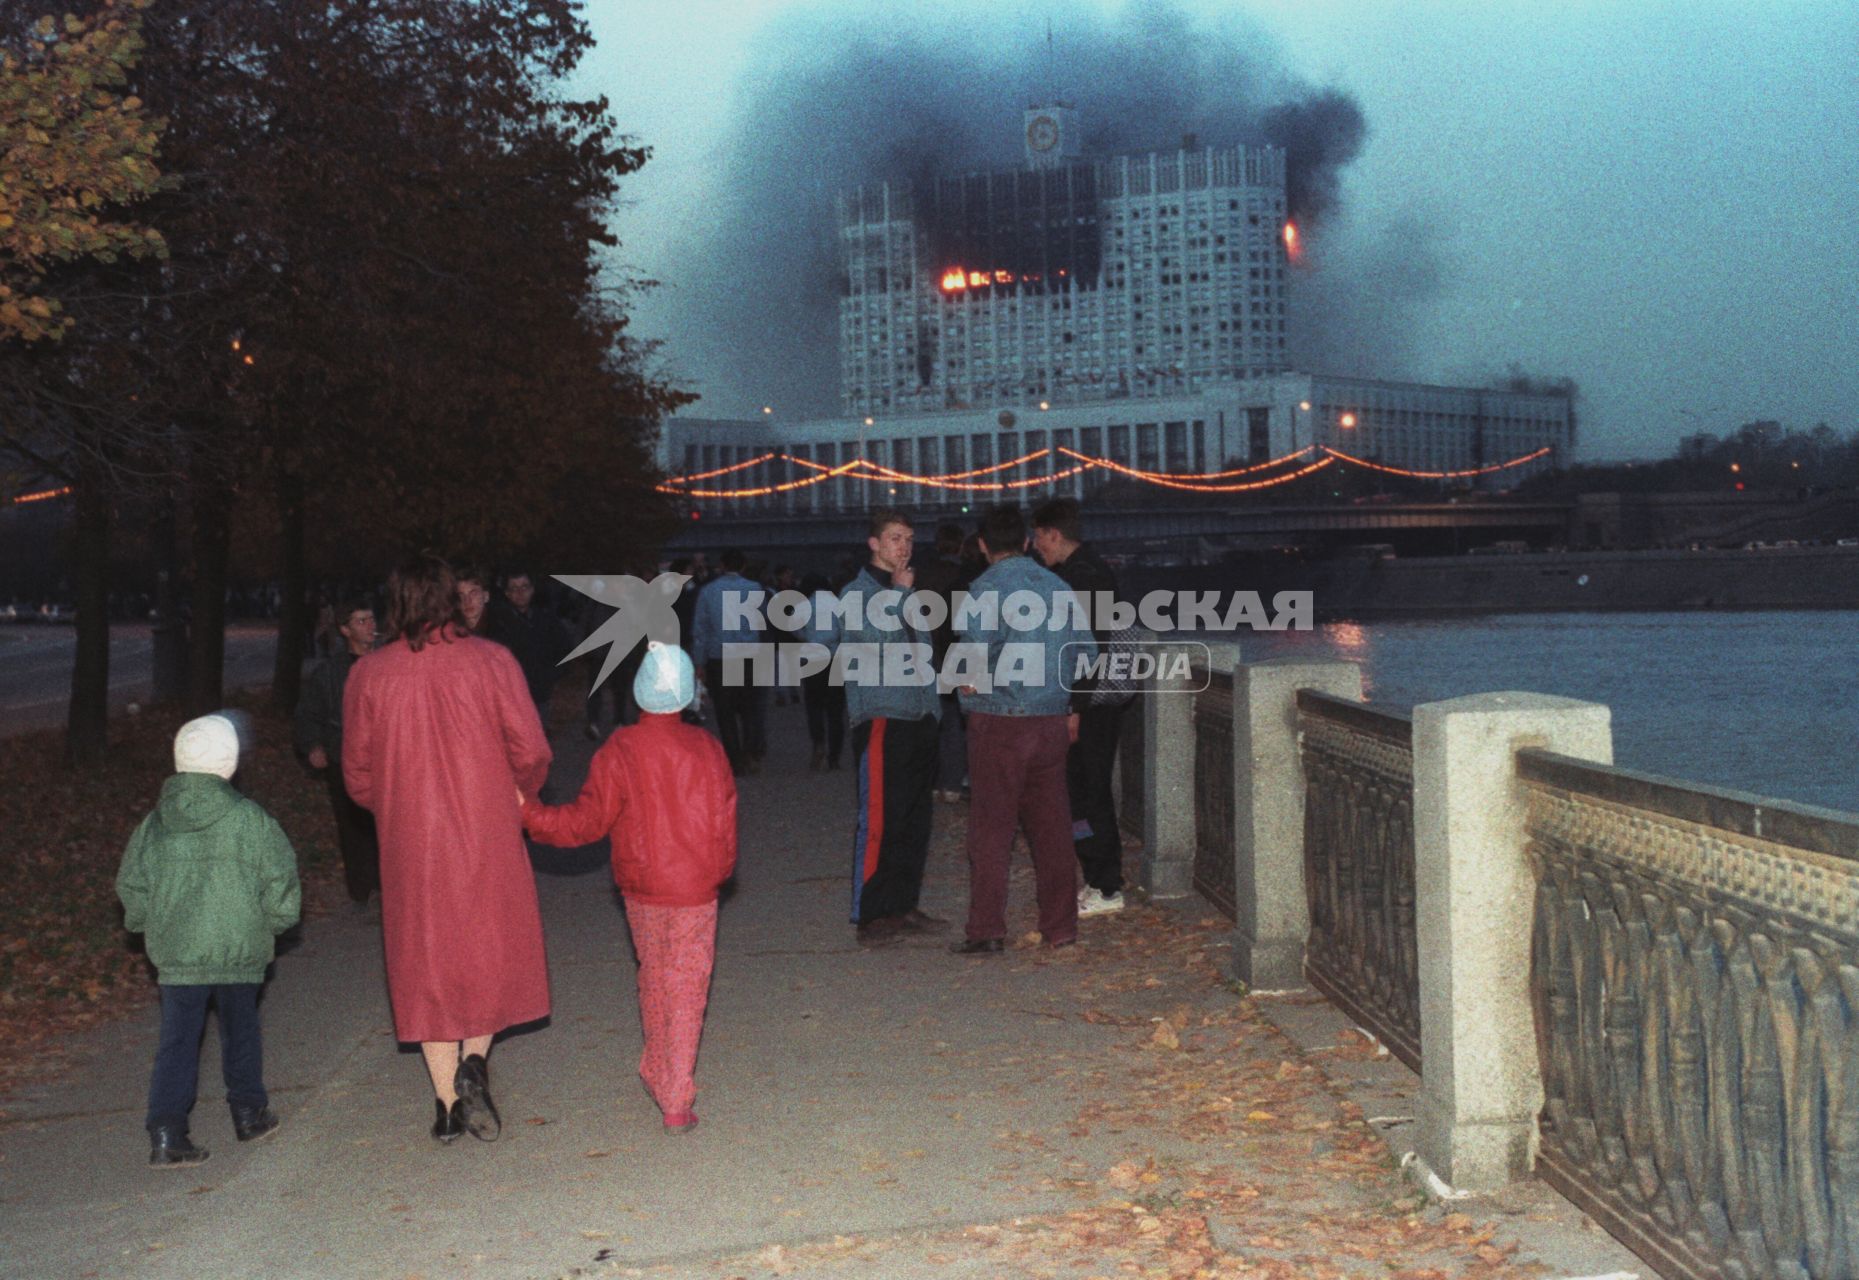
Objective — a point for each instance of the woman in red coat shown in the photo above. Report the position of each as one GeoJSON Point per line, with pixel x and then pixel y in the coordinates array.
{"type": "Point", "coordinates": [439, 734]}
{"type": "Point", "coordinates": [663, 791]}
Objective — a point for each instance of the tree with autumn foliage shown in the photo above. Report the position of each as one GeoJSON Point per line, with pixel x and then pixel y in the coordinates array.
{"type": "Point", "coordinates": [381, 320]}
{"type": "Point", "coordinates": [71, 149]}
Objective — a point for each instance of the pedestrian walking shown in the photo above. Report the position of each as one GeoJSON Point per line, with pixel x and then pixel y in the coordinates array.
{"type": "Point", "coordinates": [439, 733]}
{"type": "Point", "coordinates": [209, 880]}
{"type": "Point", "coordinates": [722, 617]}
{"type": "Point", "coordinates": [317, 730]}
{"type": "Point", "coordinates": [664, 793]}
{"type": "Point", "coordinates": [530, 631]}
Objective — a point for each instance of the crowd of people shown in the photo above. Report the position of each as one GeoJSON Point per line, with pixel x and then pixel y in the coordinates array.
{"type": "Point", "coordinates": [435, 753]}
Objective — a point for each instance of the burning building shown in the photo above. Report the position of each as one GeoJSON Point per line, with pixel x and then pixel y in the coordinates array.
{"type": "Point", "coordinates": [1131, 309]}
{"type": "Point", "coordinates": [1070, 279]}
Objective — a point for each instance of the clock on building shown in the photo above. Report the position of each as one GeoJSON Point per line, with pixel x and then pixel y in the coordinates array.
{"type": "Point", "coordinates": [1042, 133]}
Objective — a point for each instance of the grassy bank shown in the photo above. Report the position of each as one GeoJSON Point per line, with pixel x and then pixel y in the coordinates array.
{"type": "Point", "coordinates": [66, 963]}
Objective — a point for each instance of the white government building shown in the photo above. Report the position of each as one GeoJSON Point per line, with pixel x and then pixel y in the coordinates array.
{"type": "Point", "coordinates": [1130, 307]}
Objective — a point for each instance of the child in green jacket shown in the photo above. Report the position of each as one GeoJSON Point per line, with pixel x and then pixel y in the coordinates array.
{"type": "Point", "coordinates": [210, 879]}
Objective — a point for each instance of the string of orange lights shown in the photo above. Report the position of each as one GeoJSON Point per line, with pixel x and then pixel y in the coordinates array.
{"type": "Point", "coordinates": [764, 490]}
{"type": "Point", "coordinates": [1140, 474]}
{"type": "Point", "coordinates": [674, 483]}
{"type": "Point", "coordinates": [43, 495]}
{"type": "Point", "coordinates": [1440, 475]}
{"type": "Point", "coordinates": [1190, 482]}
{"type": "Point", "coordinates": [1274, 481]}
{"type": "Point", "coordinates": [737, 466]}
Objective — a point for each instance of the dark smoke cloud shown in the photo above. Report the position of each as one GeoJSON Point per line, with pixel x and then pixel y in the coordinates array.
{"type": "Point", "coordinates": [833, 100]}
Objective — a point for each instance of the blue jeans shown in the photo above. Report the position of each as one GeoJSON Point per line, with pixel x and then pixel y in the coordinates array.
{"type": "Point", "coordinates": [177, 1060]}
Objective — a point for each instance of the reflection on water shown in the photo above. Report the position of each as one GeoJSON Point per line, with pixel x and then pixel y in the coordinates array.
{"type": "Point", "coordinates": [1762, 702]}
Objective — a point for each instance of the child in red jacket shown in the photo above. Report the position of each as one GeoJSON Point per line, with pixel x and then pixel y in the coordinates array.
{"type": "Point", "coordinates": [663, 791]}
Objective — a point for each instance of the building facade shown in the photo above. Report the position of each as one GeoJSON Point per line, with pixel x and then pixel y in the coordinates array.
{"type": "Point", "coordinates": [1069, 280]}
{"type": "Point", "coordinates": [1225, 425]}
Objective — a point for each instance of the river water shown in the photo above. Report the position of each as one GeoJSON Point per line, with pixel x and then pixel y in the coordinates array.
{"type": "Point", "coordinates": [1759, 702]}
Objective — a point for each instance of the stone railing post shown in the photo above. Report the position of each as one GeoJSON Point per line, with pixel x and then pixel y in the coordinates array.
{"type": "Point", "coordinates": [1268, 815]}
{"type": "Point", "coordinates": [1481, 1087]}
{"type": "Point", "coordinates": [1168, 786]}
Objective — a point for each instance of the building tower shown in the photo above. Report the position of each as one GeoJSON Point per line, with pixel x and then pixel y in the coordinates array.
{"type": "Point", "coordinates": [1072, 279]}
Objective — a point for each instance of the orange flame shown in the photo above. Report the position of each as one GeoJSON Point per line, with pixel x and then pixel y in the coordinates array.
{"type": "Point", "coordinates": [953, 279]}
{"type": "Point", "coordinates": [1294, 244]}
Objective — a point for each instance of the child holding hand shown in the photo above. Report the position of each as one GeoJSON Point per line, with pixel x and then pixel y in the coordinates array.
{"type": "Point", "coordinates": [663, 791]}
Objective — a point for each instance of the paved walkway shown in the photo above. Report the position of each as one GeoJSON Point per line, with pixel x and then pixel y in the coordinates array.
{"type": "Point", "coordinates": [905, 1112]}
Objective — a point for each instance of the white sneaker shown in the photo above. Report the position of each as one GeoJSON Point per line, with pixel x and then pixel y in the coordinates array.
{"type": "Point", "coordinates": [1093, 903]}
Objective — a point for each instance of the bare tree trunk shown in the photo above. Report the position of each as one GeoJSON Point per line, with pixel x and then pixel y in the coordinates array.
{"type": "Point", "coordinates": [87, 722]}
{"type": "Point", "coordinates": [206, 667]}
{"type": "Point", "coordinates": [169, 634]}
{"type": "Point", "coordinates": [287, 674]}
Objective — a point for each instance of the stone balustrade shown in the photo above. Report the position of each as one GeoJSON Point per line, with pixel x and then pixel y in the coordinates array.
{"type": "Point", "coordinates": [1644, 991]}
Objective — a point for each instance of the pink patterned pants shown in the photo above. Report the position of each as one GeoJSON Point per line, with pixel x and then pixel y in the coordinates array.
{"type": "Point", "coordinates": [676, 948]}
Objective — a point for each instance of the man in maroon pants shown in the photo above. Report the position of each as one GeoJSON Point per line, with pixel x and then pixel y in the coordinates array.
{"type": "Point", "coordinates": [1020, 726]}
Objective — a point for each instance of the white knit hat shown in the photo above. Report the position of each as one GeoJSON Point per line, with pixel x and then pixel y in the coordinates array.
{"type": "Point", "coordinates": [666, 683]}
{"type": "Point", "coordinates": [207, 745]}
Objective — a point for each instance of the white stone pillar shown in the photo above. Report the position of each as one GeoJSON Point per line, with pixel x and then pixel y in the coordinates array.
{"type": "Point", "coordinates": [1481, 1088]}
{"type": "Point", "coordinates": [1168, 785]}
{"type": "Point", "coordinates": [1268, 814]}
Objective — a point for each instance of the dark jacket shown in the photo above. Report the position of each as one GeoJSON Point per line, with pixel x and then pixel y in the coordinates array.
{"type": "Point", "coordinates": [318, 722]}
{"type": "Point", "coordinates": [942, 577]}
{"type": "Point", "coordinates": [537, 638]}
{"type": "Point", "coordinates": [663, 791]}
{"type": "Point", "coordinates": [1085, 572]}
{"type": "Point", "coordinates": [209, 879]}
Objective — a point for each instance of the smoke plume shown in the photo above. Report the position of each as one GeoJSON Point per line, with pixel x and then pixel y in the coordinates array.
{"type": "Point", "coordinates": [835, 99]}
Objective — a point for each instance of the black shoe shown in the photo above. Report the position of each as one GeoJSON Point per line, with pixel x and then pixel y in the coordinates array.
{"type": "Point", "coordinates": [922, 922]}
{"type": "Point", "coordinates": [168, 1148]}
{"type": "Point", "coordinates": [254, 1122]}
{"type": "Point", "coordinates": [473, 1083]}
{"type": "Point", "coordinates": [881, 932]}
{"type": "Point", "coordinates": [977, 947]}
{"type": "Point", "coordinates": [448, 1122]}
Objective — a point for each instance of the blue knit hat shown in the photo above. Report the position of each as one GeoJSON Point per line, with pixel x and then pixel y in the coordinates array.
{"type": "Point", "coordinates": [665, 683]}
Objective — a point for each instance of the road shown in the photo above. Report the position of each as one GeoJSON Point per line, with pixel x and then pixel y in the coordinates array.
{"type": "Point", "coordinates": [35, 668]}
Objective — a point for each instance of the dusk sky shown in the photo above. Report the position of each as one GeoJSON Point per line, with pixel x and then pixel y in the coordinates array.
{"type": "Point", "coordinates": [1658, 200]}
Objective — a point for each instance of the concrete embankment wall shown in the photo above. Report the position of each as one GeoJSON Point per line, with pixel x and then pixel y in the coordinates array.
{"type": "Point", "coordinates": [1653, 581]}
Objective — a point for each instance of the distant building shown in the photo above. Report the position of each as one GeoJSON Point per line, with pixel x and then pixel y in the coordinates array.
{"type": "Point", "coordinates": [1125, 308]}
{"type": "Point", "coordinates": [1692, 448]}
{"type": "Point", "coordinates": [1069, 280]}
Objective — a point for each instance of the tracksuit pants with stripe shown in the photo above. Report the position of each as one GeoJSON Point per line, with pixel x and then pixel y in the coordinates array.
{"type": "Point", "coordinates": [896, 773]}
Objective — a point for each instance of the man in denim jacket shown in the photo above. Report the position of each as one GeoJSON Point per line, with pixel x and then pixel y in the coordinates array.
{"type": "Point", "coordinates": [1020, 725]}
{"type": "Point", "coordinates": [888, 671]}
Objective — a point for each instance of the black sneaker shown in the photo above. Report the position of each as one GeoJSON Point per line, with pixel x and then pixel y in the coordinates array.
{"type": "Point", "coordinates": [473, 1083]}
{"type": "Point", "coordinates": [254, 1122]}
{"type": "Point", "coordinates": [977, 947]}
{"type": "Point", "coordinates": [169, 1149]}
